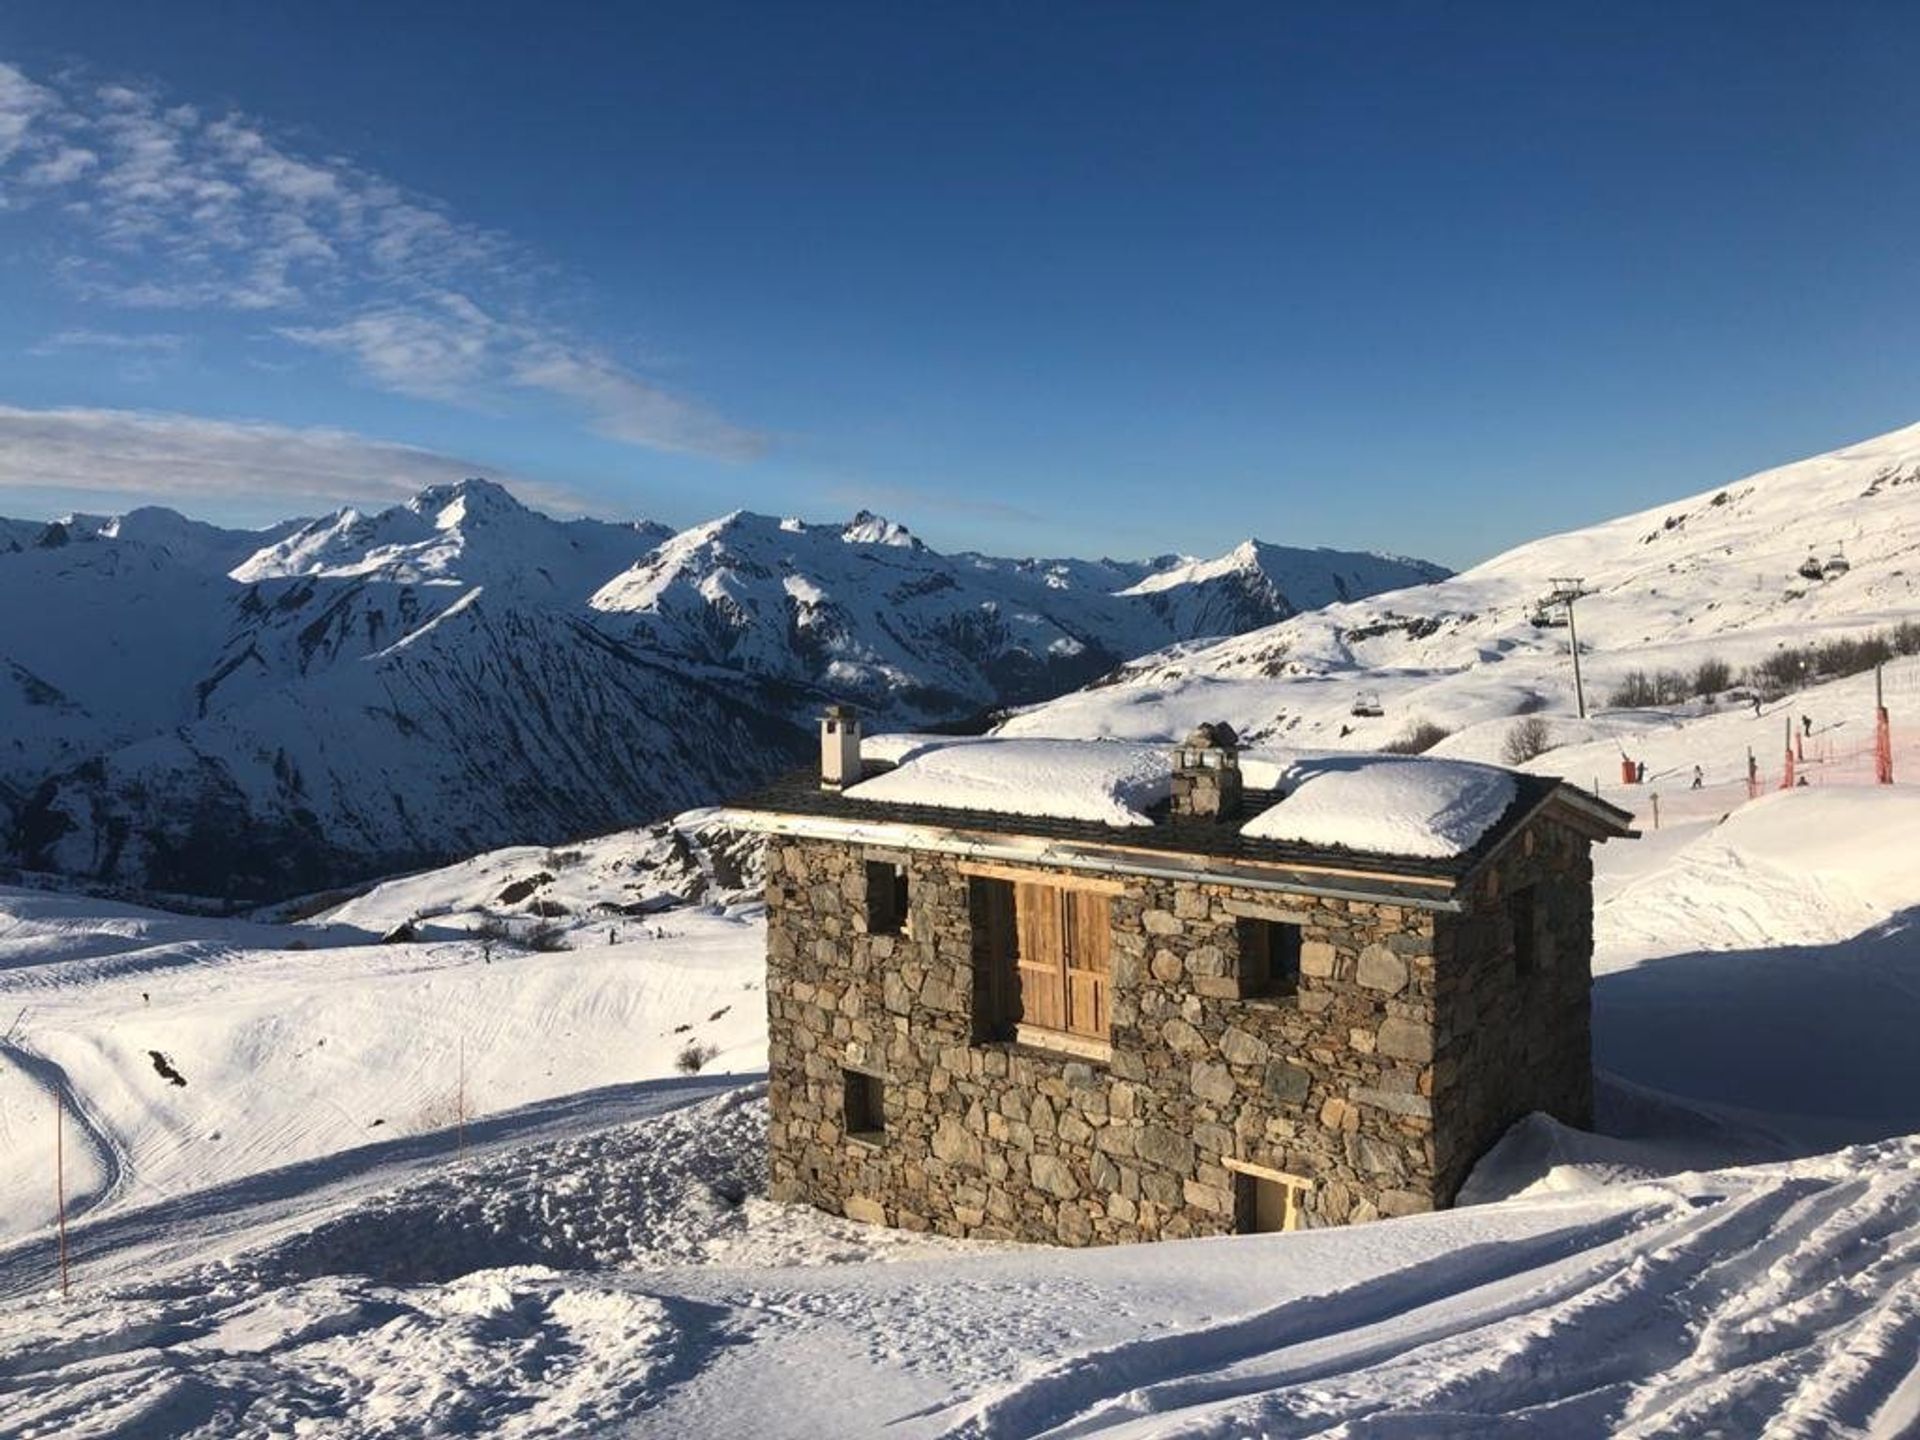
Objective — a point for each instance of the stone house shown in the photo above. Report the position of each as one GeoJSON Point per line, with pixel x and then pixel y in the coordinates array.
{"type": "Point", "coordinates": [1216, 1015]}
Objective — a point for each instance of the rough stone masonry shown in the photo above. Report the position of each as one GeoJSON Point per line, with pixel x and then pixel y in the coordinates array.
{"type": "Point", "coordinates": [1414, 1037]}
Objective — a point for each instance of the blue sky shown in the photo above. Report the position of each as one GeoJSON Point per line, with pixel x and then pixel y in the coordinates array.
{"type": "Point", "coordinates": [1064, 279]}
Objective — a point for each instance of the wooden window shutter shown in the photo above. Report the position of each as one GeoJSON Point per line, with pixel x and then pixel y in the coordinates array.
{"type": "Point", "coordinates": [1041, 957]}
{"type": "Point", "coordinates": [1089, 950]}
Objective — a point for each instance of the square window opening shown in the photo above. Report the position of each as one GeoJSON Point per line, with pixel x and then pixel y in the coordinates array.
{"type": "Point", "coordinates": [864, 1100]}
{"type": "Point", "coordinates": [1269, 959]}
{"type": "Point", "coordinates": [886, 898]}
{"type": "Point", "coordinates": [1265, 1205]}
{"type": "Point", "coordinates": [1523, 921]}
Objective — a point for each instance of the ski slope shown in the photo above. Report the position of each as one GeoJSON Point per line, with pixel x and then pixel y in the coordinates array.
{"type": "Point", "coordinates": [587, 1251]}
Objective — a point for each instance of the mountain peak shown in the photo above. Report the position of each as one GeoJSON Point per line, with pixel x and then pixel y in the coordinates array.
{"type": "Point", "coordinates": [465, 500]}
{"type": "Point", "coordinates": [867, 528]}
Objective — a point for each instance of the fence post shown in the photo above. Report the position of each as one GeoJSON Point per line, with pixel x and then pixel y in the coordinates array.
{"type": "Point", "coordinates": [1882, 732]}
{"type": "Point", "coordinates": [1786, 777]}
{"type": "Point", "coordinates": [60, 1178]}
{"type": "Point", "coordinates": [1656, 810]}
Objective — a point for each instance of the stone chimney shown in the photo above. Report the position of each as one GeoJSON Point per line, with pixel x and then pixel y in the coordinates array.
{"type": "Point", "coordinates": [839, 748]}
{"type": "Point", "coordinates": [1206, 775]}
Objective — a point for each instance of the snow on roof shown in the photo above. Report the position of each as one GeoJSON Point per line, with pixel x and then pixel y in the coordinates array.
{"type": "Point", "coordinates": [1110, 782]}
{"type": "Point", "coordinates": [1384, 804]}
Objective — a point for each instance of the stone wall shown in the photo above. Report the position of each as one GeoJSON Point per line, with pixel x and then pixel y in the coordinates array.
{"type": "Point", "coordinates": [1336, 1083]}
{"type": "Point", "coordinates": [1506, 1043]}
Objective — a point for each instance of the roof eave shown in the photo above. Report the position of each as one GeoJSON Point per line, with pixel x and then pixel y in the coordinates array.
{"type": "Point", "coordinates": [1437, 893]}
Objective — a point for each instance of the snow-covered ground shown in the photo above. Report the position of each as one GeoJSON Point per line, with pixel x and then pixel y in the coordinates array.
{"type": "Point", "coordinates": [588, 1251]}
{"type": "Point", "coordinates": [461, 1183]}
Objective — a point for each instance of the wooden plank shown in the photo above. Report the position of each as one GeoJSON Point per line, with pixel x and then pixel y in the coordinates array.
{"type": "Point", "coordinates": [1267, 1172]}
{"type": "Point", "coordinates": [1082, 1047]}
{"type": "Point", "coordinates": [1054, 879]}
{"type": "Point", "coordinates": [1090, 946]}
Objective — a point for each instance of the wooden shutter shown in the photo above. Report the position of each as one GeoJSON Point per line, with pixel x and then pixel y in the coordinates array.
{"type": "Point", "coordinates": [1089, 947]}
{"type": "Point", "coordinates": [1042, 957]}
{"type": "Point", "coordinates": [1064, 959]}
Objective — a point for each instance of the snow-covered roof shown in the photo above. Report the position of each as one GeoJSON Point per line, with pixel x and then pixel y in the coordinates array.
{"type": "Point", "coordinates": [1109, 782]}
{"type": "Point", "coordinates": [1381, 804]}
{"type": "Point", "coordinates": [1384, 804]}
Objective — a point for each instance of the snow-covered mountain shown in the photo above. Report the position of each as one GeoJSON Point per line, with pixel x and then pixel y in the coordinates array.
{"type": "Point", "coordinates": [241, 713]}
{"type": "Point", "coordinates": [1714, 577]}
{"type": "Point", "coordinates": [868, 611]}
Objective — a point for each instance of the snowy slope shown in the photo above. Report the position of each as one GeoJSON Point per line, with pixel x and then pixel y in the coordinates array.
{"type": "Point", "coordinates": [489, 722]}
{"type": "Point", "coordinates": [1711, 577]}
{"type": "Point", "coordinates": [252, 1253]}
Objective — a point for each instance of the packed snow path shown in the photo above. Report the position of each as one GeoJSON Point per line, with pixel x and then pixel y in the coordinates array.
{"type": "Point", "coordinates": [1749, 1303]}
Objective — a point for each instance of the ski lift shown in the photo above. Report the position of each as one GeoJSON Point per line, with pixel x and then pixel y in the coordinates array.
{"type": "Point", "coordinates": [1836, 565]}
{"type": "Point", "coordinates": [1812, 569]}
{"type": "Point", "coordinates": [1548, 615]}
{"type": "Point", "coordinates": [1367, 705]}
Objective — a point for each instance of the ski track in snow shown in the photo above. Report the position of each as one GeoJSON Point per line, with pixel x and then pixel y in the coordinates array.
{"type": "Point", "coordinates": [94, 1136]}
{"type": "Point", "coordinates": [1786, 1311]}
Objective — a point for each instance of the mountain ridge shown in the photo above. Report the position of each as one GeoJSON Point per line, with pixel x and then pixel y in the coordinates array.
{"type": "Point", "coordinates": [246, 713]}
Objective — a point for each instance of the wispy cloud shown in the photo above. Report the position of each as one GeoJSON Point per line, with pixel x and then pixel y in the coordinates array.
{"type": "Point", "coordinates": [189, 457]}
{"type": "Point", "coordinates": [170, 209]}
{"type": "Point", "coordinates": [151, 342]}
{"type": "Point", "coordinates": [137, 356]}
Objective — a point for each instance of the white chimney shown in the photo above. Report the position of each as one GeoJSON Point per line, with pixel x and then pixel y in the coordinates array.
{"type": "Point", "coordinates": [839, 748]}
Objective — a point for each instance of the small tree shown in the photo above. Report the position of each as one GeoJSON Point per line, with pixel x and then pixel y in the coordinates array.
{"type": "Point", "coordinates": [1635, 691]}
{"type": "Point", "coordinates": [1421, 738]}
{"type": "Point", "coordinates": [1527, 738]}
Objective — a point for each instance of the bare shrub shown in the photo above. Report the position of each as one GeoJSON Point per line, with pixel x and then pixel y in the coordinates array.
{"type": "Point", "coordinates": [693, 1057]}
{"type": "Point", "coordinates": [1710, 677]}
{"type": "Point", "coordinates": [1635, 691]}
{"type": "Point", "coordinates": [565, 859]}
{"type": "Point", "coordinates": [1527, 738]}
{"type": "Point", "coordinates": [1672, 687]}
{"type": "Point", "coordinates": [1421, 738]}
{"type": "Point", "coordinates": [545, 937]}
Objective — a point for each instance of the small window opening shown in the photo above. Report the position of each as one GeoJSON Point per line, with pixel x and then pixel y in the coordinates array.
{"type": "Point", "coordinates": [1265, 1204]}
{"type": "Point", "coordinates": [1523, 921]}
{"type": "Point", "coordinates": [864, 1099]}
{"type": "Point", "coordinates": [886, 898]}
{"type": "Point", "coordinates": [1269, 959]}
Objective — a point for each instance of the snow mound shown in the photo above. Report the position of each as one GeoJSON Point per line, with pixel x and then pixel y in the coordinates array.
{"type": "Point", "coordinates": [1386, 804]}
{"type": "Point", "coordinates": [651, 1193]}
{"type": "Point", "coordinates": [1108, 782]}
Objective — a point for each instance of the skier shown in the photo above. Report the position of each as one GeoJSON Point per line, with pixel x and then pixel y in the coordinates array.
{"type": "Point", "coordinates": [1756, 707]}
{"type": "Point", "coordinates": [1699, 777]}
{"type": "Point", "coordinates": [1640, 773]}
{"type": "Point", "coordinates": [1806, 726]}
